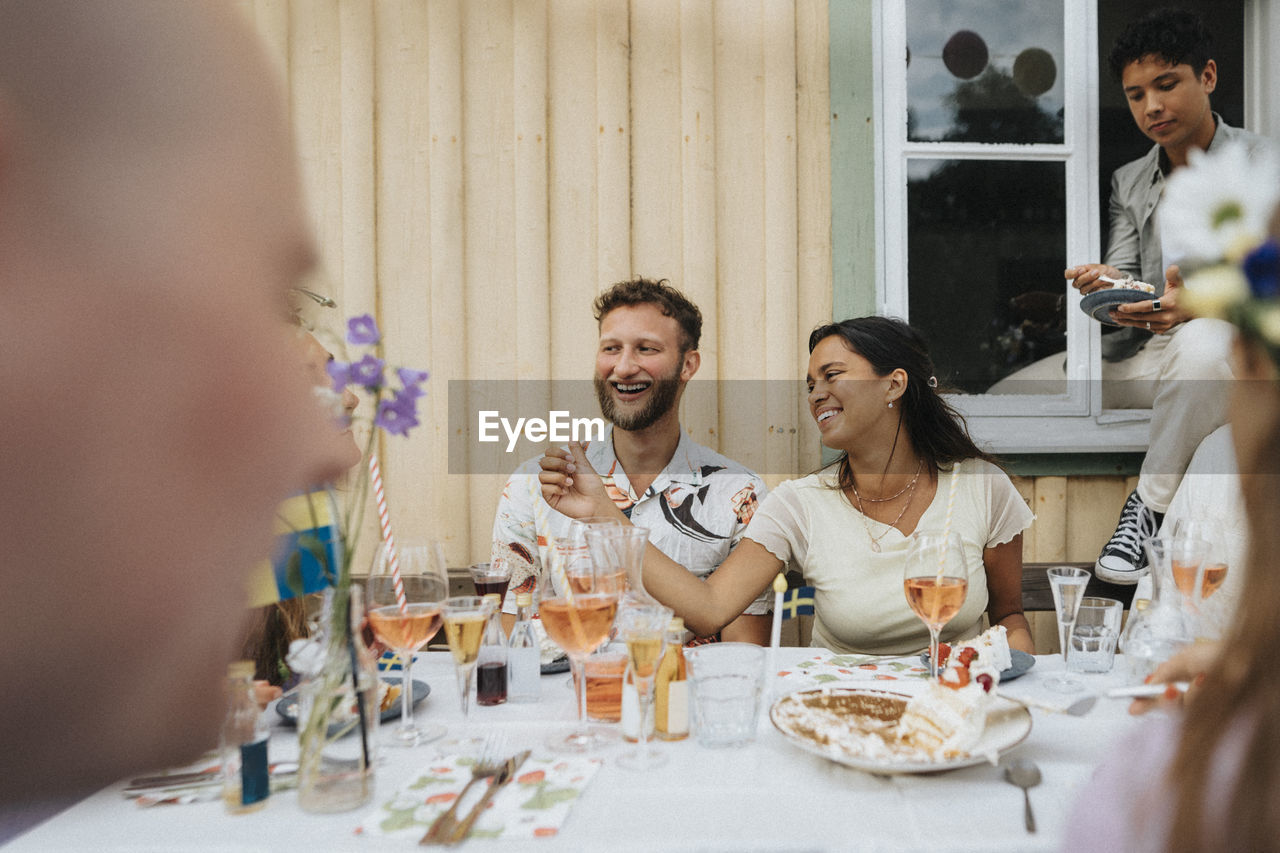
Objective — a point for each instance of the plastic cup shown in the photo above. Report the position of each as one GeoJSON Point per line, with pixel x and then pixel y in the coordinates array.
{"type": "Point", "coordinates": [1094, 635]}
{"type": "Point", "coordinates": [605, 670]}
{"type": "Point", "coordinates": [727, 680]}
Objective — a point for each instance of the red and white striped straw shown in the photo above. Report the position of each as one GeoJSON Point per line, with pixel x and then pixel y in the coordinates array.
{"type": "Point", "coordinates": [384, 519]}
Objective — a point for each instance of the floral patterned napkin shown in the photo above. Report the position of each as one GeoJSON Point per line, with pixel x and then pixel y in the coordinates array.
{"type": "Point", "coordinates": [534, 805]}
{"type": "Point", "coordinates": [827, 667]}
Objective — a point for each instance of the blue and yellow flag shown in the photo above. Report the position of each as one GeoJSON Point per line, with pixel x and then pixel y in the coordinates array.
{"type": "Point", "coordinates": [390, 662]}
{"type": "Point", "coordinates": [797, 602]}
{"type": "Point", "coordinates": [307, 552]}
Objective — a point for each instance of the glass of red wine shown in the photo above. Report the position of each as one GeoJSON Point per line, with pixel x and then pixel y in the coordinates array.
{"type": "Point", "coordinates": [491, 578]}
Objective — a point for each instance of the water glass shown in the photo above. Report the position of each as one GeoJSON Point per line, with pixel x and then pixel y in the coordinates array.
{"type": "Point", "coordinates": [605, 670]}
{"type": "Point", "coordinates": [727, 680]}
{"type": "Point", "coordinates": [1094, 635]}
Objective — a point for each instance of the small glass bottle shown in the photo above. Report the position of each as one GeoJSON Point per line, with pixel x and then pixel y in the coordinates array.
{"type": "Point", "coordinates": [524, 667]}
{"type": "Point", "coordinates": [671, 687]}
{"type": "Point", "coordinates": [246, 781]}
{"type": "Point", "coordinates": [491, 665]}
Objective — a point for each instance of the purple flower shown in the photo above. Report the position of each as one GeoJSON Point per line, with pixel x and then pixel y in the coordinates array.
{"type": "Point", "coordinates": [397, 415]}
{"type": "Point", "coordinates": [1262, 268]}
{"type": "Point", "coordinates": [340, 373]}
{"type": "Point", "coordinates": [367, 372]}
{"type": "Point", "coordinates": [409, 376]}
{"type": "Point", "coordinates": [363, 330]}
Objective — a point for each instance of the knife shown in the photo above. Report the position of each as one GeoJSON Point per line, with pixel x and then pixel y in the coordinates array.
{"type": "Point", "coordinates": [505, 775]}
{"type": "Point", "coordinates": [197, 779]}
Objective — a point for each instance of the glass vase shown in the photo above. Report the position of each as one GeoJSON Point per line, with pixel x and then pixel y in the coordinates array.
{"type": "Point", "coordinates": [337, 734]}
{"type": "Point", "coordinates": [1155, 633]}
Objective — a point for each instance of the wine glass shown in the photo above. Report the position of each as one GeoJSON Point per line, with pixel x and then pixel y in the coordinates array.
{"type": "Point", "coordinates": [618, 551]}
{"type": "Point", "coordinates": [643, 628]}
{"type": "Point", "coordinates": [1067, 584]}
{"type": "Point", "coordinates": [491, 578]}
{"type": "Point", "coordinates": [404, 612]}
{"type": "Point", "coordinates": [464, 620]}
{"type": "Point", "coordinates": [935, 581]}
{"type": "Point", "coordinates": [578, 618]}
{"type": "Point", "coordinates": [1214, 571]}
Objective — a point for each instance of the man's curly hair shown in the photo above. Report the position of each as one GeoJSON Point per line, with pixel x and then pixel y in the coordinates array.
{"type": "Point", "coordinates": [671, 302]}
{"type": "Point", "coordinates": [1174, 35]}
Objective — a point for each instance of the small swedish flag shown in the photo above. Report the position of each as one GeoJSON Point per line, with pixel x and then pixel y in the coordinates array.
{"type": "Point", "coordinates": [797, 602]}
{"type": "Point", "coordinates": [390, 662]}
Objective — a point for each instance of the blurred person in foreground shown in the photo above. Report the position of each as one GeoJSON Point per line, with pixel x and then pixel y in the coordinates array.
{"type": "Point", "coordinates": [1206, 775]}
{"type": "Point", "coordinates": [150, 227]}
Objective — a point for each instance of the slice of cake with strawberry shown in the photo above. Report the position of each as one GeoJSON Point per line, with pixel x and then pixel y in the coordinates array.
{"type": "Point", "coordinates": [947, 719]}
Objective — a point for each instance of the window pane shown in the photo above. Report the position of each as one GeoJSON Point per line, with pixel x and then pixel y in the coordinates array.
{"type": "Point", "coordinates": [986, 246]}
{"type": "Point", "coordinates": [984, 71]}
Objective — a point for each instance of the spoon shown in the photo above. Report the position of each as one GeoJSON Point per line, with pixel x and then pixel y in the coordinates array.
{"type": "Point", "coordinates": [1025, 774]}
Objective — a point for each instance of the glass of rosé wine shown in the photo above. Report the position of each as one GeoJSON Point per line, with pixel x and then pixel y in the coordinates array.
{"type": "Point", "coordinates": [404, 611]}
{"type": "Point", "coordinates": [935, 582]}
{"type": "Point", "coordinates": [578, 616]}
{"type": "Point", "coordinates": [1213, 570]}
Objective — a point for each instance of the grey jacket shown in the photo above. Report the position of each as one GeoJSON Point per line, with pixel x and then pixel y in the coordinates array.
{"type": "Point", "coordinates": [1134, 245]}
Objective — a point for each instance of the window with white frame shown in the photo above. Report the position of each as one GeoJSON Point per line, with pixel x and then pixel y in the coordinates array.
{"type": "Point", "coordinates": [998, 128]}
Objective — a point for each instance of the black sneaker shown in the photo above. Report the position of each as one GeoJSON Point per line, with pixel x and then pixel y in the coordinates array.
{"type": "Point", "coordinates": [1123, 559]}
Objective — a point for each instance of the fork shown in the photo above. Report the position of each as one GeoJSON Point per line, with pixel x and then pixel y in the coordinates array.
{"type": "Point", "coordinates": [488, 764]}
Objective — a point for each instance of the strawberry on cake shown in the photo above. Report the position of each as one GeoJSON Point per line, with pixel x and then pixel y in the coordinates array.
{"type": "Point", "coordinates": [947, 719]}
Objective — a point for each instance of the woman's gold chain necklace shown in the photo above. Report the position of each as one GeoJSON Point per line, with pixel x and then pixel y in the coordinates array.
{"type": "Point", "coordinates": [911, 487]}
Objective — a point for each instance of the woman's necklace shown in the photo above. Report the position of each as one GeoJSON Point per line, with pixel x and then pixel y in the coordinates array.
{"type": "Point", "coordinates": [910, 485]}
{"type": "Point", "coordinates": [911, 493]}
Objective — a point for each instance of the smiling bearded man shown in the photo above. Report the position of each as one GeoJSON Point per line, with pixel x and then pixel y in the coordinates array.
{"type": "Point", "coordinates": [694, 502]}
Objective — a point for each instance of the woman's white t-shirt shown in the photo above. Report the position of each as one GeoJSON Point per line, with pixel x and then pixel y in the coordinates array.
{"type": "Point", "coordinates": [860, 605]}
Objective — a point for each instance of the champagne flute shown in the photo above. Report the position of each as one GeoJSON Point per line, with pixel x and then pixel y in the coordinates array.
{"type": "Point", "coordinates": [405, 615]}
{"type": "Point", "coordinates": [464, 620]}
{"type": "Point", "coordinates": [643, 628]}
{"type": "Point", "coordinates": [935, 581]}
{"type": "Point", "coordinates": [1067, 584]}
{"type": "Point", "coordinates": [578, 618]}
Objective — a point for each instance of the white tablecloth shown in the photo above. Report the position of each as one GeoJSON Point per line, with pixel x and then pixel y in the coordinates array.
{"type": "Point", "coordinates": [768, 796]}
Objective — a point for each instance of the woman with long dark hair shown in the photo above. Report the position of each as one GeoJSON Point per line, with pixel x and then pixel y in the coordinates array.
{"type": "Point", "coordinates": [847, 527]}
{"type": "Point", "coordinates": [1208, 778]}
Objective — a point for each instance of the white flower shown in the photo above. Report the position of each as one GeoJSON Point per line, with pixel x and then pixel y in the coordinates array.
{"type": "Point", "coordinates": [1211, 290]}
{"type": "Point", "coordinates": [1268, 322]}
{"type": "Point", "coordinates": [306, 656]}
{"type": "Point", "coordinates": [1218, 206]}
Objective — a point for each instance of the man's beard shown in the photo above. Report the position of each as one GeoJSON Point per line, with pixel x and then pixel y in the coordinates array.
{"type": "Point", "coordinates": [662, 396]}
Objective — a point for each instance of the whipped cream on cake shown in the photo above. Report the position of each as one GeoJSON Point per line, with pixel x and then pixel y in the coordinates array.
{"type": "Point", "coordinates": [947, 719]}
{"type": "Point", "coordinates": [548, 650]}
{"type": "Point", "coordinates": [1131, 283]}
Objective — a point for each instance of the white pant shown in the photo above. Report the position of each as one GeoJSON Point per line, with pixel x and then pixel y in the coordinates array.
{"type": "Point", "coordinates": [1181, 376]}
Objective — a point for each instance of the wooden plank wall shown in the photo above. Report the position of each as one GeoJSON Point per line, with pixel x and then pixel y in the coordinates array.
{"type": "Point", "coordinates": [477, 170]}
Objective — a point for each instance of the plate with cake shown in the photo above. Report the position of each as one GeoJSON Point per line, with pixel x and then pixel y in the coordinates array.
{"type": "Point", "coordinates": [1100, 303]}
{"type": "Point", "coordinates": [958, 720]}
{"type": "Point", "coordinates": [388, 702]}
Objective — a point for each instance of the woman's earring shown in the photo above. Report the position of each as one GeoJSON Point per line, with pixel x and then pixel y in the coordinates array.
{"type": "Point", "coordinates": [891, 404]}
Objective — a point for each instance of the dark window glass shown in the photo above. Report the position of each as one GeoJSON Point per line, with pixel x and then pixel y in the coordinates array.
{"type": "Point", "coordinates": [984, 71]}
{"type": "Point", "coordinates": [987, 246]}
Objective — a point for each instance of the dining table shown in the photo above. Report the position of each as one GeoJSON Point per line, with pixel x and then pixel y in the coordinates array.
{"type": "Point", "coordinates": [767, 795]}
